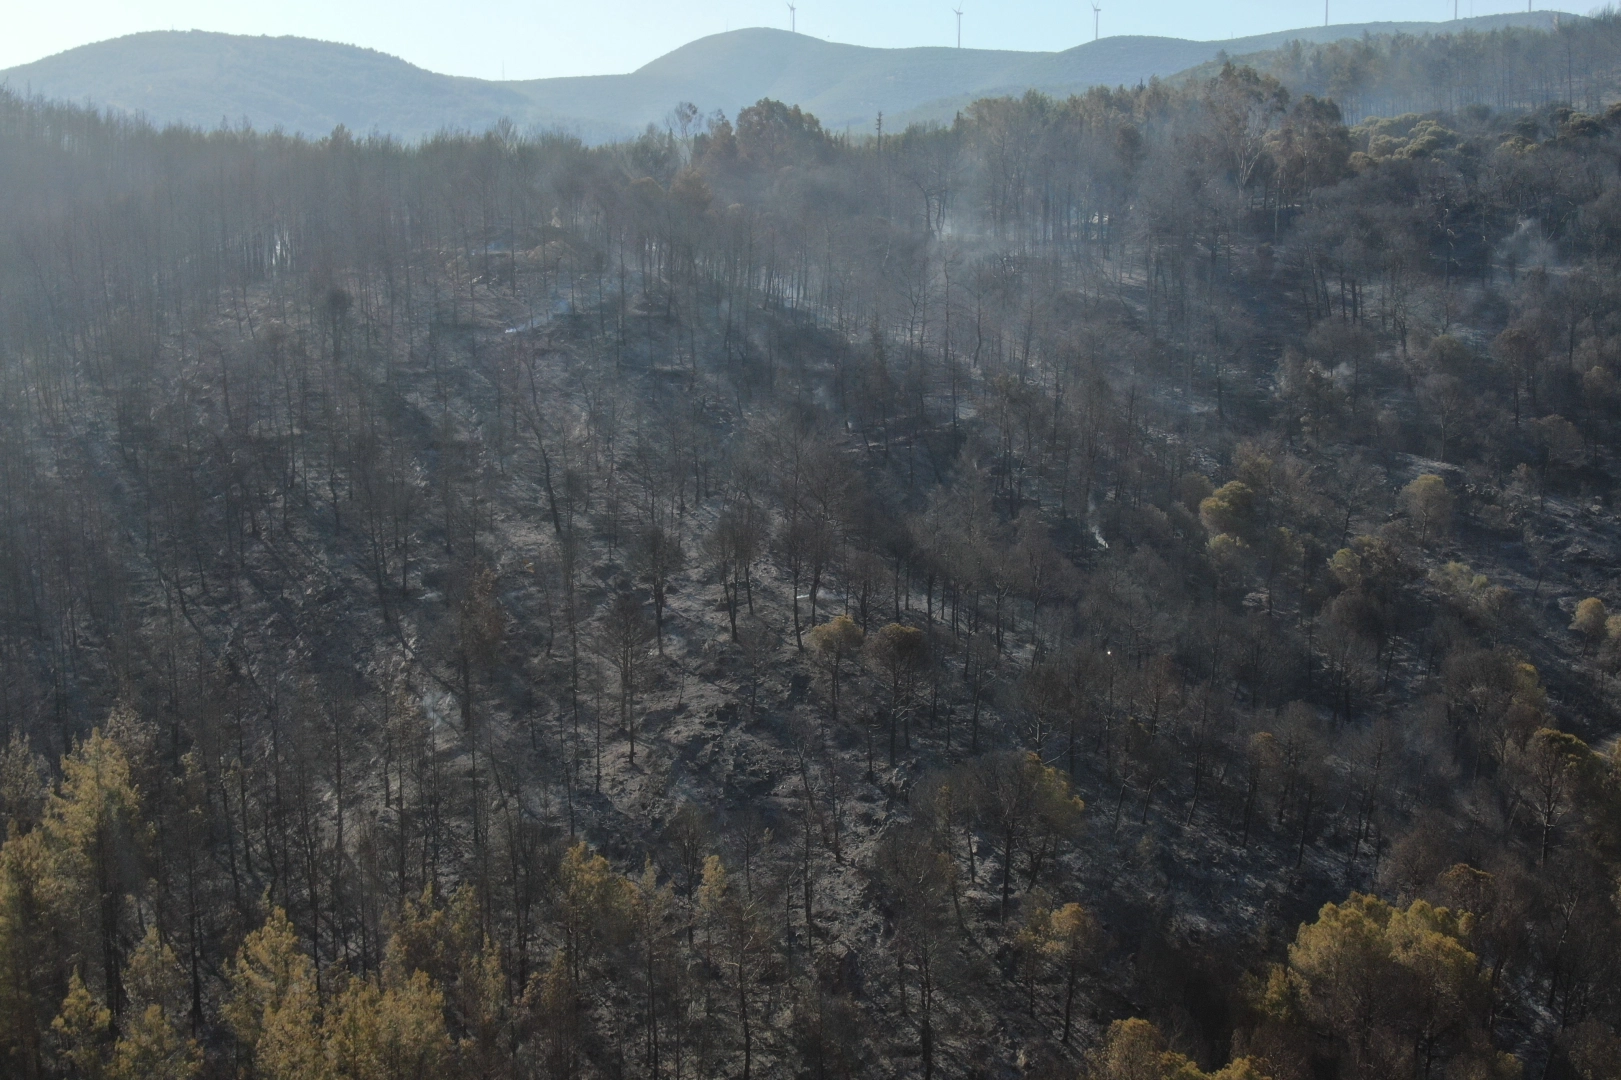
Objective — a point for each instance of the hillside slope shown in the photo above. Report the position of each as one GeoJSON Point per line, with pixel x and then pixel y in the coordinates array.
{"type": "Point", "coordinates": [307, 86]}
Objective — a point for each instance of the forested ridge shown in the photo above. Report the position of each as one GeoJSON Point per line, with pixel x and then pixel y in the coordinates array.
{"type": "Point", "coordinates": [1114, 588]}
{"type": "Point", "coordinates": [1577, 63]}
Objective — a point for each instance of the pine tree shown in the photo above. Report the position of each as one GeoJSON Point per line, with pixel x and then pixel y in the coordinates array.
{"type": "Point", "coordinates": [555, 1007]}
{"type": "Point", "coordinates": [1072, 936]}
{"type": "Point", "coordinates": [28, 961]}
{"type": "Point", "coordinates": [396, 1032]}
{"type": "Point", "coordinates": [1397, 986]}
{"type": "Point", "coordinates": [1135, 1050]}
{"type": "Point", "coordinates": [592, 903]}
{"type": "Point", "coordinates": [834, 640]}
{"type": "Point", "coordinates": [82, 1032]}
{"type": "Point", "coordinates": [652, 906]}
{"type": "Point", "coordinates": [152, 1045]}
{"type": "Point", "coordinates": [274, 1005]}
{"type": "Point", "coordinates": [736, 941]}
{"type": "Point", "coordinates": [94, 835]}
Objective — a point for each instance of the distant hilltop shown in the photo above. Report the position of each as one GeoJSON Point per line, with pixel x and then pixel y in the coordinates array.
{"type": "Point", "coordinates": [309, 87]}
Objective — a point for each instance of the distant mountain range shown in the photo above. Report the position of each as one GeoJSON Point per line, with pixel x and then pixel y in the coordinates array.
{"type": "Point", "coordinates": [306, 86]}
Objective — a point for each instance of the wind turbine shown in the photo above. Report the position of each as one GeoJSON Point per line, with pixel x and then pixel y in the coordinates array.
{"type": "Point", "coordinates": [1096, 9]}
{"type": "Point", "coordinates": [793, 26]}
{"type": "Point", "coordinates": [958, 12]}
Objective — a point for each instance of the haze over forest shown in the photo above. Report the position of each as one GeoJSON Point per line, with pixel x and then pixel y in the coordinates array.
{"type": "Point", "coordinates": [1113, 585]}
{"type": "Point", "coordinates": [310, 87]}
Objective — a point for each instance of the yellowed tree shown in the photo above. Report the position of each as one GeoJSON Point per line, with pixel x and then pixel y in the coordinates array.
{"type": "Point", "coordinates": [1397, 987]}
{"type": "Point", "coordinates": [1594, 1050]}
{"type": "Point", "coordinates": [153, 1044]}
{"type": "Point", "coordinates": [1135, 1049]}
{"type": "Point", "coordinates": [1055, 819]}
{"type": "Point", "coordinates": [1548, 771]}
{"type": "Point", "coordinates": [475, 989]}
{"type": "Point", "coordinates": [414, 1045]}
{"type": "Point", "coordinates": [736, 941]}
{"type": "Point", "coordinates": [652, 906]}
{"type": "Point", "coordinates": [421, 940]}
{"type": "Point", "coordinates": [1072, 938]}
{"type": "Point", "coordinates": [1610, 654]}
{"type": "Point", "coordinates": [1029, 945]}
{"type": "Point", "coordinates": [1029, 805]}
{"type": "Point", "coordinates": [1230, 510]}
{"type": "Point", "coordinates": [447, 944]}
{"type": "Point", "coordinates": [554, 1008]}
{"type": "Point", "coordinates": [1591, 621]}
{"type": "Point", "coordinates": [83, 1031]}
{"type": "Point", "coordinates": [393, 1032]}
{"type": "Point", "coordinates": [592, 907]}
{"type": "Point", "coordinates": [899, 653]}
{"type": "Point", "coordinates": [22, 786]}
{"type": "Point", "coordinates": [482, 1007]}
{"type": "Point", "coordinates": [350, 1036]}
{"type": "Point", "coordinates": [26, 957]}
{"type": "Point", "coordinates": [274, 1005]}
{"type": "Point", "coordinates": [1429, 505]}
{"type": "Point", "coordinates": [833, 641]}
{"type": "Point", "coordinates": [94, 836]}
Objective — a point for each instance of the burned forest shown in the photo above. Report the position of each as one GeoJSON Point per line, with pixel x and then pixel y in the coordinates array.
{"type": "Point", "coordinates": [1116, 587]}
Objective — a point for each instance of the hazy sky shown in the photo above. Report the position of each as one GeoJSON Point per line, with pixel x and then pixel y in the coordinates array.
{"type": "Point", "coordinates": [536, 38]}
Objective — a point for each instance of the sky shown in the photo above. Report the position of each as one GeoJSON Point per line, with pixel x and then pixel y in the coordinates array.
{"type": "Point", "coordinates": [531, 39]}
